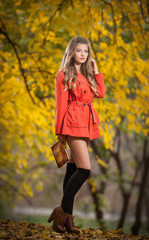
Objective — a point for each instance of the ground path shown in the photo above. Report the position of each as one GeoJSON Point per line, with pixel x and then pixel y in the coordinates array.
{"type": "Point", "coordinates": [24, 230]}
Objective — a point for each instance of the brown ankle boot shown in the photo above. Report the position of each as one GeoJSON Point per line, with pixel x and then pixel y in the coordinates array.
{"type": "Point", "coordinates": [70, 225]}
{"type": "Point", "coordinates": [58, 216]}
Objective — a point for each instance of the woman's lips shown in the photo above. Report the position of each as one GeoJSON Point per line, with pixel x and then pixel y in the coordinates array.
{"type": "Point", "coordinates": [82, 58]}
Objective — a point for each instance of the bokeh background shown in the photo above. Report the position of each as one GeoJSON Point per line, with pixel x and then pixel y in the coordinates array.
{"type": "Point", "coordinates": [33, 38]}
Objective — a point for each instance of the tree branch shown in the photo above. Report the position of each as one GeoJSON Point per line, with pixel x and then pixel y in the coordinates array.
{"type": "Point", "coordinates": [114, 21]}
{"type": "Point", "coordinates": [148, 7]}
{"type": "Point", "coordinates": [51, 18]}
{"type": "Point", "coordinates": [16, 190]}
{"type": "Point", "coordinates": [145, 18]}
{"type": "Point", "coordinates": [4, 32]}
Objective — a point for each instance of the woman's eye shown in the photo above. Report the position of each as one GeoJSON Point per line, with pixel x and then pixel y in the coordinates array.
{"type": "Point", "coordinates": [78, 50]}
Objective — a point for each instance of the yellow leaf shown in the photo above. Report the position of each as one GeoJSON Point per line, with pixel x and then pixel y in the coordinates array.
{"type": "Point", "coordinates": [102, 163]}
{"type": "Point", "coordinates": [28, 189]}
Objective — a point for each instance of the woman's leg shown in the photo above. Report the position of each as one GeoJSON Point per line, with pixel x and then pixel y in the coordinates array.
{"type": "Point", "coordinates": [60, 218]}
{"type": "Point", "coordinates": [79, 150]}
{"type": "Point", "coordinates": [70, 170]}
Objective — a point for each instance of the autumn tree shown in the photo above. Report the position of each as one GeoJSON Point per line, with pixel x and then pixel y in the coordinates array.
{"type": "Point", "coordinates": [122, 40]}
{"type": "Point", "coordinates": [33, 37]}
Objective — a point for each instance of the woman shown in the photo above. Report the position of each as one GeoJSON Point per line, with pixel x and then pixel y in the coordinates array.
{"type": "Point", "coordinates": [76, 122]}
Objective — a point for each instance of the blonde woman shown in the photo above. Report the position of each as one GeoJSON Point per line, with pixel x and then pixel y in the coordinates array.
{"type": "Point", "coordinates": [77, 83]}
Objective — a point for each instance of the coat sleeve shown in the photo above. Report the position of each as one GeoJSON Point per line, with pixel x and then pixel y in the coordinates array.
{"type": "Point", "coordinates": [100, 85]}
{"type": "Point", "coordinates": [61, 103]}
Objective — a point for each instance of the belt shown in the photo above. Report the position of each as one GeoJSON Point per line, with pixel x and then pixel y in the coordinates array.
{"type": "Point", "coordinates": [79, 103]}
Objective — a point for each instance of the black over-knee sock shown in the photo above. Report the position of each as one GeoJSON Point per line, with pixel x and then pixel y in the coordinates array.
{"type": "Point", "coordinates": [70, 170]}
{"type": "Point", "coordinates": [73, 186]}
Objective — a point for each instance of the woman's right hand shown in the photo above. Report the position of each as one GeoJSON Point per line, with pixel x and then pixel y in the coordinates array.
{"type": "Point", "coordinates": [62, 138]}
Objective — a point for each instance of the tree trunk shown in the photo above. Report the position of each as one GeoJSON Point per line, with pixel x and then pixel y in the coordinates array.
{"type": "Point", "coordinates": [147, 209]}
{"type": "Point", "coordinates": [98, 211]}
{"type": "Point", "coordinates": [135, 228]}
{"type": "Point", "coordinates": [126, 197]}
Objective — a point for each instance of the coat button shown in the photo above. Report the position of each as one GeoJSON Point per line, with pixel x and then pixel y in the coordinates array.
{"type": "Point", "coordinates": [79, 83]}
{"type": "Point", "coordinates": [85, 91]}
{"type": "Point", "coordinates": [83, 104]}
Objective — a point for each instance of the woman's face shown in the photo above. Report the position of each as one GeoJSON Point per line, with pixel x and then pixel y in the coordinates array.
{"type": "Point", "coordinates": [80, 53]}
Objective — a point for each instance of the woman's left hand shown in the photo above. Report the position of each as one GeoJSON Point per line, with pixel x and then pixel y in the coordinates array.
{"type": "Point", "coordinates": [94, 66]}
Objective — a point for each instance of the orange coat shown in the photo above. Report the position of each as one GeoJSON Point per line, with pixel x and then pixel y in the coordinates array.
{"type": "Point", "coordinates": [74, 112]}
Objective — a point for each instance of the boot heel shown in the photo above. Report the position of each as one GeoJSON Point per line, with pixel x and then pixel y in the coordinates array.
{"type": "Point", "coordinates": [50, 219]}
{"type": "Point", "coordinates": [59, 219]}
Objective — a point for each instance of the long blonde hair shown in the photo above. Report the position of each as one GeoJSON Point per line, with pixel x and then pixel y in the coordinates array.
{"type": "Point", "coordinates": [68, 67]}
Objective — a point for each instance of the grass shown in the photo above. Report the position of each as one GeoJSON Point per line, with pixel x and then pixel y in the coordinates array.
{"type": "Point", "coordinates": [85, 223]}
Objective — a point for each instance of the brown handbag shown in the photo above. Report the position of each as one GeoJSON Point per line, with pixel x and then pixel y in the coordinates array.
{"type": "Point", "coordinates": [60, 153]}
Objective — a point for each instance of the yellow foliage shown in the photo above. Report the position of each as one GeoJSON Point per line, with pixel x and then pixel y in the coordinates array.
{"type": "Point", "coordinates": [22, 163]}
{"type": "Point", "coordinates": [90, 149]}
{"type": "Point", "coordinates": [102, 163]}
{"type": "Point", "coordinates": [92, 184]}
{"type": "Point", "coordinates": [40, 186]}
{"type": "Point", "coordinates": [27, 189]}
{"type": "Point", "coordinates": [30, 58]}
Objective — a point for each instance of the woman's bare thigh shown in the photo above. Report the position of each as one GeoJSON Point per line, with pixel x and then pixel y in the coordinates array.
{"type": "Point", "coordinates": [79, 151]}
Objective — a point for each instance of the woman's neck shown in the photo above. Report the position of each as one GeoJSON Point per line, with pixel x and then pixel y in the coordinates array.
{"type": "Point", "coordinates": [78, 67]}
